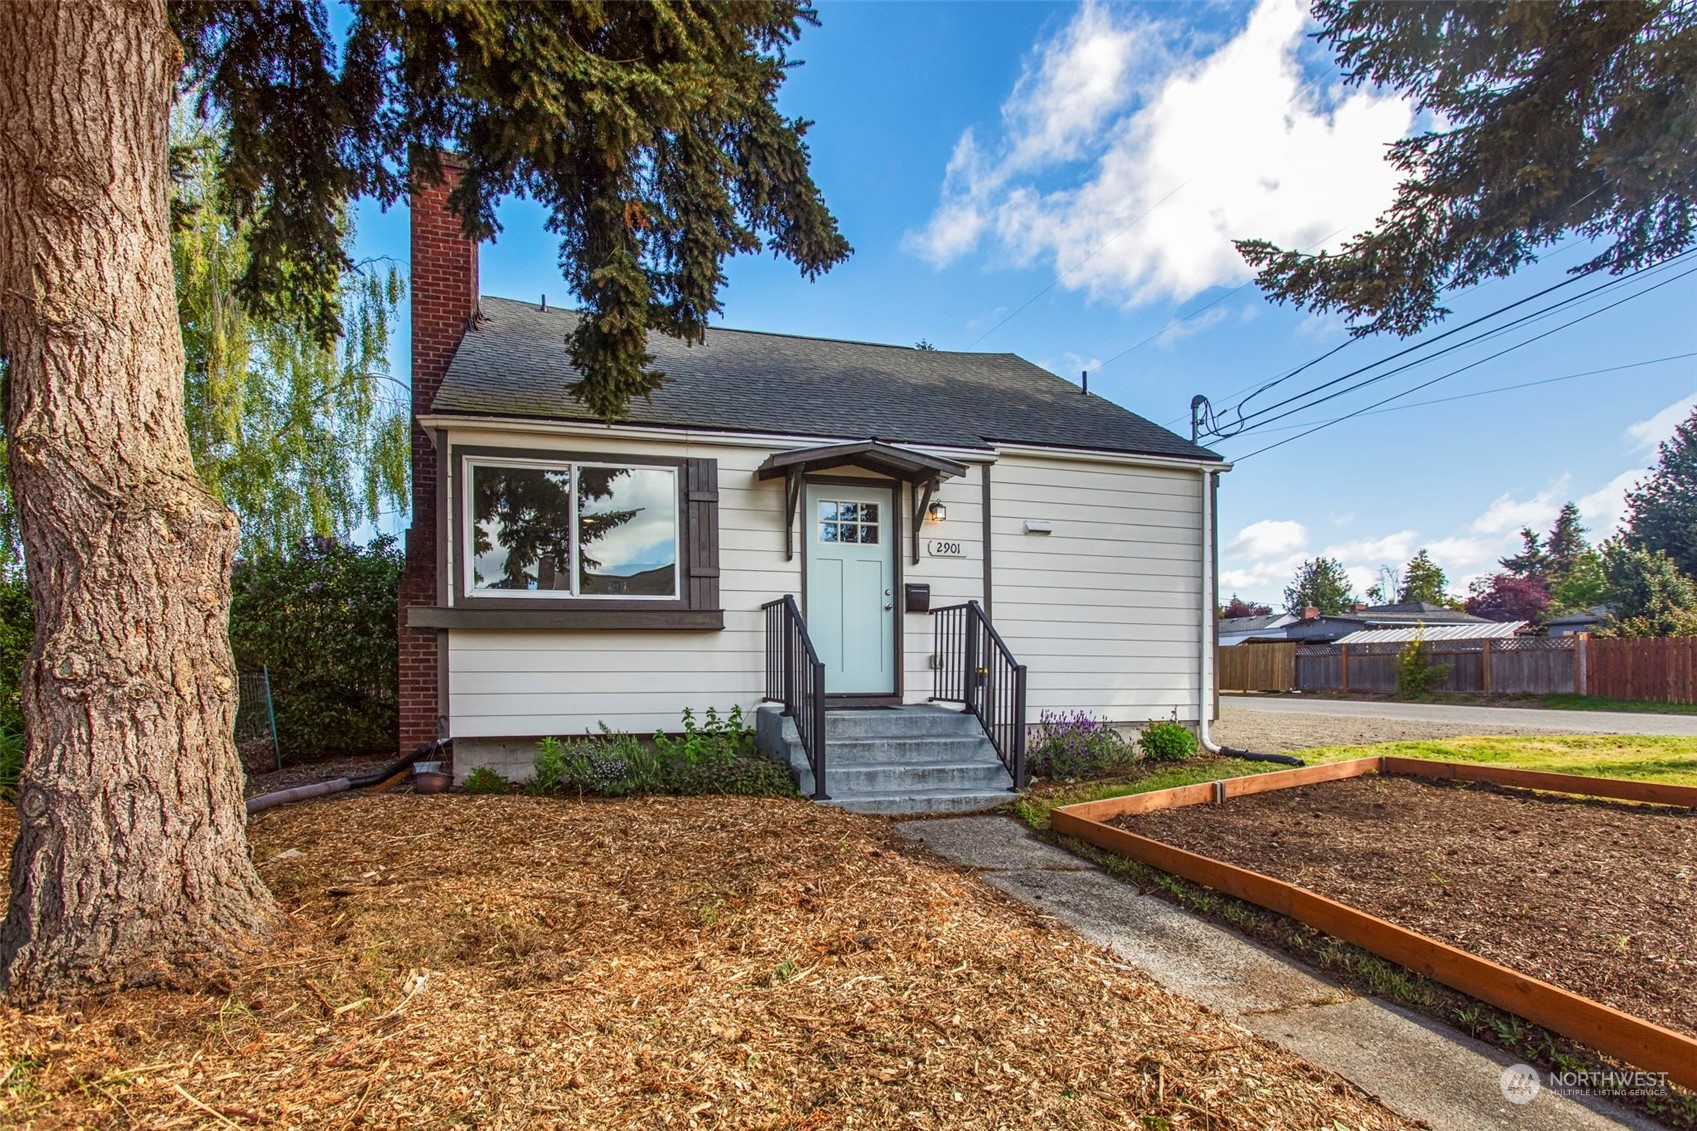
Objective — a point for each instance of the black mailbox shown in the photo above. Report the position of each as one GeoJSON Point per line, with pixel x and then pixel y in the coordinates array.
{"type": "Point", "coordinates": [918, 598]}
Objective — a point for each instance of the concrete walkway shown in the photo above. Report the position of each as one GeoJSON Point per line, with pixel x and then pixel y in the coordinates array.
{"type": "Point", "coordinates": [1418, 1068]}
{"type": "Point", "coordinates": [1485, 718]}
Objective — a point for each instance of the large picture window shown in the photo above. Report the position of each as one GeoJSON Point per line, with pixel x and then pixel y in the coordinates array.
{"type": "Point", "coordinates": [571, 530]}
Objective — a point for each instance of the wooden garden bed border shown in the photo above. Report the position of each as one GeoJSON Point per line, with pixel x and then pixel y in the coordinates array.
{"type": "Point", "coordinates": [1632, 1039]}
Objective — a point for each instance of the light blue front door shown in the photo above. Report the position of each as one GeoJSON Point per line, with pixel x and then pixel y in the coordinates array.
{"type": "Point", "coordinates": [850, 586]}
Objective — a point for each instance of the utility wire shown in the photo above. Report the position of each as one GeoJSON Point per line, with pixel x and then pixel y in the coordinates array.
{"type": "Point", "coordinates": [1076, 267]}
{"type": "Point", "coordinates": [1490, 391]}
{"type": "Point", "coordinates": [1568, 246]}
{"type": "Point", "coordinates": [1260, 418]}
{"type": "Point", "coordinates": [1469, 365]}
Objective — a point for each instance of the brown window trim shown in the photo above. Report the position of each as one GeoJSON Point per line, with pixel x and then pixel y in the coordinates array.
{"type": "Point", "coordinates": [557, 618]}
{"type": "Point", "coordinates": [687, 610]}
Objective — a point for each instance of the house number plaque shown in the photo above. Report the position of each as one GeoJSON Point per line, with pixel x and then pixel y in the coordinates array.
{"type": "Point", "coordinates": [945, 548]}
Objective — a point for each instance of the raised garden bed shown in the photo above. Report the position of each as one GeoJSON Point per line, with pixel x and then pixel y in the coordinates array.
{"type": "Point", "coordinates": [1570, 911]}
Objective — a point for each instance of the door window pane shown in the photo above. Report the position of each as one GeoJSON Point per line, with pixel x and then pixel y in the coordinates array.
{"type": "Point", "coordinates": [521, 528]}
{"type": "Point", "coordinates": [627, 531]}
{"type": "Point", "coordinates": [850, 522]}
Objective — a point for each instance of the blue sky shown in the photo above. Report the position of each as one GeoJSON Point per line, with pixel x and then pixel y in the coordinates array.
{"type": "Point", "coordinates": [1063, 182]}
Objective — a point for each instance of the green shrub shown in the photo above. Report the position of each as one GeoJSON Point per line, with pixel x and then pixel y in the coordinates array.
{"type": "Point", "coordinates": [1416, 674]}
{"type": "Point", "coordinates": [484, 780]}
{"type": "Point", "coordinates": [323, 620]}
{"type": "Point", "coordinates": [716, 755]}
{"type": "Point", "coordinates": [549, 769]}
{"type": "Point", "coordinates": [1167, 741]}
{"type": "Point", "coordinates": [1075, 746]}
{"type": "Point", "coordinates": [11, 760]}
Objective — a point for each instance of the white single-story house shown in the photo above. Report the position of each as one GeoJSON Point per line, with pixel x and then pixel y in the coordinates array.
{"type": "Point", "coordinates": [940, 527]}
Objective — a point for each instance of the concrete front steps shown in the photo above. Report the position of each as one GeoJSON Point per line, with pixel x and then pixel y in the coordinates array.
{"type": "Point", "coordinates": [895, 761]}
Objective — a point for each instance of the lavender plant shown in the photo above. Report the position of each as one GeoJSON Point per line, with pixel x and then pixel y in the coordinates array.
{"type": "Point", "coordinates": [1076, 745]}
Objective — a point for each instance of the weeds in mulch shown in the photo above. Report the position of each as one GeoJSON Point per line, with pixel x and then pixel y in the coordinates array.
{"type": "Point", "coordinates": [519, 962]}
{"type": "Point", "coordinates": [1365, 972]}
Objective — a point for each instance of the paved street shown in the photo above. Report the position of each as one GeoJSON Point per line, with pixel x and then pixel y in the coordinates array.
{"type": "Point", "coordinates": [1478, 720]}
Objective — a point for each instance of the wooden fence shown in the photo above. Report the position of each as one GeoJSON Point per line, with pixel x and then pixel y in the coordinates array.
{"type": "Point", "coordinates": [1662, 670]}
{"type": "Point", "coordinates": [1650, 671]}
{"type": "Point", "coordinates": [1520, 665]}
{"type": "Point", "coordinates": [1258, 667]}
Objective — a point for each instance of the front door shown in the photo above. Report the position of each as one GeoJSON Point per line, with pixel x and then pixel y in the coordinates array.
{"type": "Point", "coordinates": [851, 586]}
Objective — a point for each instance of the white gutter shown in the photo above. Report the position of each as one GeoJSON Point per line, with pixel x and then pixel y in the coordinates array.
{"type": "Point", "coordinates": [1206, 623]}
{"type": "Point", "coordinates": [1095, 455]}
{"type": "Point", "coordinates": [461, 426]}
{"type": "Point", "coordinates": [1205, 683]}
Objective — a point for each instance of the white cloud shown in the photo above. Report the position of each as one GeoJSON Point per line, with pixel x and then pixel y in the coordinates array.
{"type": "Point", "coordinates": [1647, 435]}
{"type": "Point", "coordinates": [1391, 549]}
{"type": "Point", "coordinates": [1225, 144]}
{"type": "Point", "coordinates": [1506, 514]}
{"type": "Point", "coordinates": [1604, 508]}
{"type": "Point", "coordinates": [1269, 538]}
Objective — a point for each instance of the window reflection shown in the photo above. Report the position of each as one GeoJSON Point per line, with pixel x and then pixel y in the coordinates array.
{"type": "Point", "coordinates": [526, 531]}
{"type": "Point", "coordinates": [522, 528]}
{"type": "Point", "coordinates": [848, 522]}
{"type": "Point", "coordinates": [627, 531]}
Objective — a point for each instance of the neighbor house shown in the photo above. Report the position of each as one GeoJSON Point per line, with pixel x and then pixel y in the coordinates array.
{"type": "Point", "coordinates": [948, 527]}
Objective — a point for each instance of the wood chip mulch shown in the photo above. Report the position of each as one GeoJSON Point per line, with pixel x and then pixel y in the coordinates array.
{"type": "Point", "coordinates": [522, 962]}
{"type": "Point", "coordinates": [1594, 896]}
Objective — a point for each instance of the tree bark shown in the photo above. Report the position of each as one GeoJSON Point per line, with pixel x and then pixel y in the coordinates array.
{"type": "Point", "coordinates": [131, 859]}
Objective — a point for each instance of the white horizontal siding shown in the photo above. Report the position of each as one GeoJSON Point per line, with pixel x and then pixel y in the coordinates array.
{"type": "Point", "coordinates": [1104, 610]}
{"type": "Point", "coordinates": [953, 581]}
{"type": "Point", "coordinates": [526, 683]}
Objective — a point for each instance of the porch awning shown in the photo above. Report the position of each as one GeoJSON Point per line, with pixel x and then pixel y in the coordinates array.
{"type": "Point", "coordinates": [924, 471]}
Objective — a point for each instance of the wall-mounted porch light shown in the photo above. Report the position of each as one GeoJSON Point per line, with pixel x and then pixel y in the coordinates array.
{"type": "Point", "coordinates": [937, 512]}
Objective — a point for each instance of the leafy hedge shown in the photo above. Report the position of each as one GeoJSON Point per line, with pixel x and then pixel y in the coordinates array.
{"type": "Point", "coordinates": [322, 619]}
{"type": "Point", "coordinates": [17, 634]}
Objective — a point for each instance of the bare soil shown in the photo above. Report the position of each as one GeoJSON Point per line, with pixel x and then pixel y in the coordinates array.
{"type": "Point", "coordinates": [1593, 896]}
{"type": "Point", "coordinates": [682, 962]}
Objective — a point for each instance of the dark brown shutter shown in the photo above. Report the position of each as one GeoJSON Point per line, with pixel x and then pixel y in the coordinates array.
{"type": "Point", "coordinates": [701, 520]}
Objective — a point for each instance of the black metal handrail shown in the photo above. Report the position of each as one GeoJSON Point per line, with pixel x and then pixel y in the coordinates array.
{"type": "Point", "coordinates": [796, 678]}
{"type": "Point", "coordinates": [974, 667]}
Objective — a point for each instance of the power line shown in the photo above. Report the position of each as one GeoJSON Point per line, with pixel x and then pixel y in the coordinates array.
{"type": "Point", "coordinates": [1469, 365]}
{"type": "Point", "coordinates": [1490, 391]}
{"type": "Point", "coordinates": [1059, 279]}
{"type": "Point", "coordinates": [1564, 248]}
{"type": "Point", "coordinates": [1259, 418]}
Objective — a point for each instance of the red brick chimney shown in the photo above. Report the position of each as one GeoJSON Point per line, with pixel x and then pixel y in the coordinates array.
{"type": "Point", "coordinates": [444, 305]}
{"type": "Point", "coordinates": [1309, 612]}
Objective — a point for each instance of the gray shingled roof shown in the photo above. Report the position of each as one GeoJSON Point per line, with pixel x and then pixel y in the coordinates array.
{"type": "Point", "coordinates": [515, 364]}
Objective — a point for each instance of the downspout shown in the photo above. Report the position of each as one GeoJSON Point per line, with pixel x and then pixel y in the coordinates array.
{"type": "Point", "coordinates": [1210, 613]}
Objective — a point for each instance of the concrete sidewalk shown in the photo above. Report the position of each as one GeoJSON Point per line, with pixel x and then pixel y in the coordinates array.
{"type": "Point", "coordinates": [1416, 1067]}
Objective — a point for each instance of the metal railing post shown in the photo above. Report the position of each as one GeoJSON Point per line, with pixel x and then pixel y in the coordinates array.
{"type": "Point", "coordinates": [818, 724]}
{"type": "Point", "coordinates": [1020, 770]}
{"type": "Point", "coordinates": [969, 663]}
{"type": "Point", "coordinates": [789, 666]}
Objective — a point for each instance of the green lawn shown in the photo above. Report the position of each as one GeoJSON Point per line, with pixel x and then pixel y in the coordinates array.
{"type": "Point", "coordinates": [1640, 758]}
{"type": "Point", "coordinates": [1587, 703]}
{"type": "Point", "coordinates": [1670, 760]}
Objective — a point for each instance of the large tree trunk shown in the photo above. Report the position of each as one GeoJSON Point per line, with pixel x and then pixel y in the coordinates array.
{"type": "Point", "coordinates": [132, 857]}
